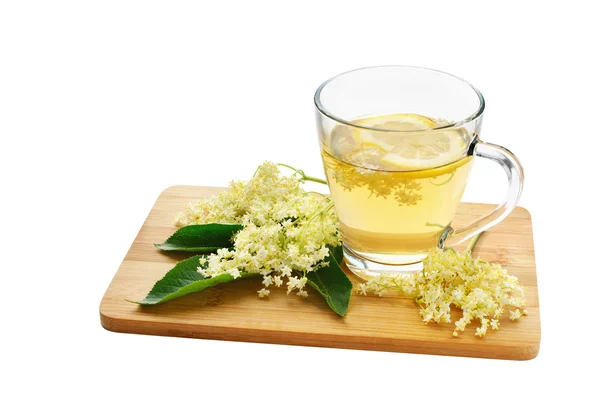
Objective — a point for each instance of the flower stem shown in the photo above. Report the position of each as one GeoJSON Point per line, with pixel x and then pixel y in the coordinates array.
{"type": "Point", "coordinates": [313, 179]}
{"type": "Point", "coordinates": [473, 242]}
{"type": "Point", "coordinates": [312, 218]}
{"type": "Point", "coordinates": [303, 176]}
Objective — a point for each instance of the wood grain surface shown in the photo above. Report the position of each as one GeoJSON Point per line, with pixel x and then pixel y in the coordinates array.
{"type": "Point", "coordinates": [391, 323]}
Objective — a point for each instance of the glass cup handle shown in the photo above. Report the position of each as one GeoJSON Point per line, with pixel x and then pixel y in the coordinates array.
{"type": "Point", "coordinates": [514, 172]}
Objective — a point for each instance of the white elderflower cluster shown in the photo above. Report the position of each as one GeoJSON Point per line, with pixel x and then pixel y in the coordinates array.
{"type": "Point", "coordinates": [286, 229]}
{"type": "Point", "coordinates": [482, 290]}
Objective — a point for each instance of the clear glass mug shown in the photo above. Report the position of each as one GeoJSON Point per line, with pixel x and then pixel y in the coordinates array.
{"type": "Point", "coordinates": [397, 145]}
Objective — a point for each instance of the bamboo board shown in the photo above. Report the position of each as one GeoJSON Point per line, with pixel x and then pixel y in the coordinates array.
{"type": "Point", "coordinates": [391, 323]}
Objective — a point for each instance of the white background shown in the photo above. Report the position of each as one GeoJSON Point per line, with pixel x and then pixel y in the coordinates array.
{"type": "Point", "coordinates": [104, 104]}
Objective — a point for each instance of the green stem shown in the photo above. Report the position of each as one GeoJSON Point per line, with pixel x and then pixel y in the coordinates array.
{"type": "Point", "coordinates": [312, 218]}
{"type": "Point", "coordinates": [313, 179]}
{"type": "Point", "coordinates": [319, 194]}
{"type": "Point", "coordinates": [255, 172]}
{"type": "Point", "coordinates": [473, 242]}
{"type": "Point", "coordinates": [288, 166]}
{"type": "Point", "coordinates": [303, 176]}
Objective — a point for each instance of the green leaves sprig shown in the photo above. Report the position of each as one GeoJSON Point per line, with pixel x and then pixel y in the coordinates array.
{"type": "Point", "coordinates": [206, 238]}
{"type": "Point", "coordinates": [331, 281]}
{"type": "Point", "coordinates": [183, 279]}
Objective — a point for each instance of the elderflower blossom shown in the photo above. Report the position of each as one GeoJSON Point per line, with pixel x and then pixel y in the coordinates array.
{"type": "Point", "coordinates": [482, 290]}
{"type": "Point", "coordinates": [263, 292]}
{"type": "Point", "coordinates": [285, 234]}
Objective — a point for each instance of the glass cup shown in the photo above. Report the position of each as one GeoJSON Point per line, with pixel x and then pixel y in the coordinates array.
{"type": "Point", "coordinates": [397, 145]}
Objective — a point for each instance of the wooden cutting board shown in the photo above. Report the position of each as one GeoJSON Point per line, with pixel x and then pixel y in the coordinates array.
{"type": "Point", "coordinates": [391, 323]}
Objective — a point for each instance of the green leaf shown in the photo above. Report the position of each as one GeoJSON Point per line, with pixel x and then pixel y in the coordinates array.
{"type": "Point", "coordinates": [201, 238]}
{"type": "Point", "coordinates": [181, 280]}
{"type": "Point", "coordinates": [332, 282]}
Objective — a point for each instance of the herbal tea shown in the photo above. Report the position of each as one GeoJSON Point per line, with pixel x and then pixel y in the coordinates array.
{"type": "Point", "coordinates": [395, 187]}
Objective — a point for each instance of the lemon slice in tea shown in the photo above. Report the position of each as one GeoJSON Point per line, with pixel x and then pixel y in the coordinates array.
{"type": "Point", "coordinates": [427, 150]}
{"type": "Point", "coordinates": [410, 144]}
{"type": "Point", "coordinates": [393, 122]}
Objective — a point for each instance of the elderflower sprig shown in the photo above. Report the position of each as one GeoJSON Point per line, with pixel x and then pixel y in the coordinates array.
{"type": "Point", "coordinates": [482, 290]}
{"type": "Point", "coordinates": [285, 234]}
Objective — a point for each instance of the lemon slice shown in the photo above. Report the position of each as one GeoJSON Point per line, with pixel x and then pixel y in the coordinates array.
{"type": "Point", "coordinates": [395, 123]}
{"type": "Point", "coordinates": [426, 150]}
{"type": "Point", "coordinates": [399, 122]}
{"type": "Point", "coordinates": [407, 142]}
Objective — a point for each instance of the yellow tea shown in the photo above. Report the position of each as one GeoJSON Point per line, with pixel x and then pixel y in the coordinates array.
{"type": "Point", "coordinates": [395, 187]}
